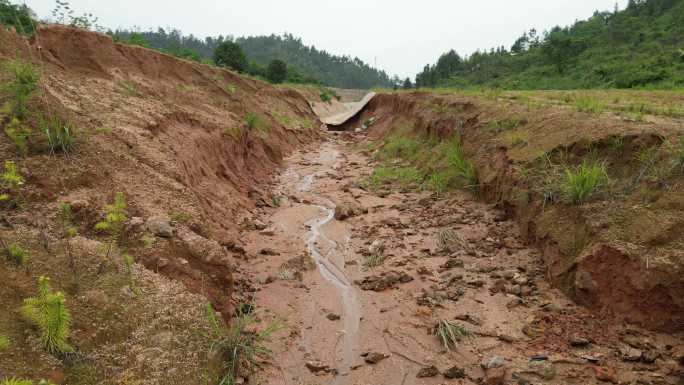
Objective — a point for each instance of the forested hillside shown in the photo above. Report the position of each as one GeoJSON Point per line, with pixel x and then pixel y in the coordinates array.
{"type": "Point", "coordinates": [640, 46]}
{"type": "Point", "coordinates": [331, 70]}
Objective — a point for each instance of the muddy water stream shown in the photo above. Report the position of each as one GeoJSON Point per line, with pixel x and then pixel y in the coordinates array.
{"type": "Point", "coordinates": [334, 274]}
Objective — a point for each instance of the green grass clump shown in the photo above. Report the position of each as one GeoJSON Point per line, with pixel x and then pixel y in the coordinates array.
{"type": "Point", "coordinates": [23, 83]}
{"type": "Point", "coordinates": [239, 347]}
{"type": "Point", "coordinates": [59, 133]}
{"type": "Point", "coordinates": [505, 124]}
{"type": "Point", "coordinates": [375, 259]}
{"type": "Point", "coordinates": [15, 381]}
{"type": "Point", "coordinates": [388, 174]}
{"type": "Point", "coordinates": [587, 103]}
{"type": "Point", "coordinates": [16, 254]}
{"type": "Point", "coordinates": [49, 313]}
{"type": "Point", "coordinates": [4, 343]}
{"type": "Point", "coordinates": [581, 183]}
{"type": "Point", "coordinates": [19, 133]}
{"type": "Point", "coordinates": [450, 333]}
{"type": "Point", "coordinates": [516, 138]}
{"type": "Point", "coordinates": [256, 123]}
{"type": "Point", "coordinates": [462, 167]}
{"type": "Point", "coordinates": [399, 147]}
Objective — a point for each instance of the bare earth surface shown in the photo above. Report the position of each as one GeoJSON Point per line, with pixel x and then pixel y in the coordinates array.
{"type": "Point", "coordinates": [349, 324]}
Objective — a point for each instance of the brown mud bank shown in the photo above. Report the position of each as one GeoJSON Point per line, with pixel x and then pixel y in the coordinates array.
{"type": "Point", "coordinates": [620, 252]}
{"type": "Point", "coordinates": [190, 146]}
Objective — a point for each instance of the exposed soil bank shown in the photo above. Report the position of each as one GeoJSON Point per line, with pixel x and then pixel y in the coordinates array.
{"type": "Point", "coordinates": [621, 252]}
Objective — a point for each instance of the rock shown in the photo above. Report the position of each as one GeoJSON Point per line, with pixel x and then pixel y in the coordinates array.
{"type": "Point", "coordinates": [579, 342]}
{"type": "Point", "coordinates": [377, 247]}
{"type": "Point", "coordinates": [453, 263]}
{"type": "Point", "coordinates": [160, 226]}
{"type": "Point", "coordinates": [268, 251]}
{"type": "Point", "coordinates": [454, 372]}
{"type": "Point", "coordinates": [347, 210]}
{"type": "Point", "coordinates": [319, 367]}
{"type": "Point", "coordinates": [469, 318]}
{"type": "Point", "coordinates": [374, 357]}
{"type": "Point", "coordinates": [258, 225]}
{"type": "Point", "coordinates": [333, 316]}
{"type": "Point", "coordinates": [495, 376]}
{"type": "Point", "coordinates": [430, 371]}
{"type": "Point", "coordinates": [628, 353]}
{"type": "Point", "coordinates": [543, 369]}
{"type": "Point", "coordinates": [384, 281]}
{"type": "Point", "coordinates": [678, 354]}
{"type": "Point", "coordinates": [494, 362]}
{"type": "Point", "coordinates": [606, 374]}
{"type": "Point", "coordinates": [136, 222]}
{"type": "Point", "coordinates": [650, 356]}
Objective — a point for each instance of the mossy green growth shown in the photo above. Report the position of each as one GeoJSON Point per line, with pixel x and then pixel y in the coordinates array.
{"type": "Point", "coordinates": [48, 312]}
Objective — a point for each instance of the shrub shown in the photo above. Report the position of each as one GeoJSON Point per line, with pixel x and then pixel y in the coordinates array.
{"type": "Point", "coordinates": [229, 54]}
{"type": "Point", "coordinates": [276, 71]}
{"type": "Point", "coordinates": [17, 254]}
{"type": "Point", "coordinates": [579, 184]}
{"type": "Point", "coordinates": [17, 16]}
{"type": "Point", "coordinates": [239, 347]}
{"type": "Point", "coordinates": [49, 313]}
{"type": "Point", "coordinates": [23, 83]}
{"type": "Point", "coordinates": [58, 132]}
{"type": "Point", "coordinates": [4, 343]}
{"type": "Point", "coordinates": [450, 333]}
{"type": "Point", "coordinates": [19, 134]}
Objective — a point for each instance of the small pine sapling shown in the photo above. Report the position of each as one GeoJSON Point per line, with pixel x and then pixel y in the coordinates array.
{"type": "Point", "coordinates": [115, 216]}
{"type": "Point", "coordinates": [12, 181]}
{"type": "Point", "coordinates": [49, 313]}
{"type": "Point", "coordinates": [19, 133]}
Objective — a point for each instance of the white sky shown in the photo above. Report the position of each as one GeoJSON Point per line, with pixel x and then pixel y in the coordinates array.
{"type": "Point", "coordinates": [402, 35]}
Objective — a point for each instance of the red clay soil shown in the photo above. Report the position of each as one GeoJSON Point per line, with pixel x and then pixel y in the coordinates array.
{"type": "Point", "coordinates": [618, 254]}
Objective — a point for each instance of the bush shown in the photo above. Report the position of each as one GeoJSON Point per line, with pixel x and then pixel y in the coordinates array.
{"type": "Point", "coordinates": [277, 71]}
{"type": "Point", "coordinates": [229, 54]}
{"type": "Point", "coordinates": [49, 313]}
{"type": "Point", "coordinates": [19, 134]}
{"type": "Point", "coordinates": [17, 254]}
{"type": "Point", "coordinates": [256, 122]}
{"type": "Point", "coordinates": [22, 84]}
{"type": "Point", "coordinates": [59, 134]}
{"type": "Point", "coordinates": [580, 184]}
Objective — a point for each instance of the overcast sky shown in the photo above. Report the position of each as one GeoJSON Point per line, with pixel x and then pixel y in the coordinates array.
{"type": "Point", "coordinates": [402, 35]}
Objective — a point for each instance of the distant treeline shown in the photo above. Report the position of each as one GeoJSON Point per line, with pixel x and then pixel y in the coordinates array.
{"type": "Point", "coordinates": [640, 46]}
{"type": "Point", "coordinates": [305, 64]}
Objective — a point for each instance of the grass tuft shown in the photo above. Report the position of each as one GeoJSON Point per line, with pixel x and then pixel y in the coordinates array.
{"type": "Point", "coordinates": [450, 333]}
{"type": "Point", "coordinates": [4, 343]}
{"type": "Point", "coordinates": [581, 183]}
{"type": "Point", "coordinates": [239, 346]}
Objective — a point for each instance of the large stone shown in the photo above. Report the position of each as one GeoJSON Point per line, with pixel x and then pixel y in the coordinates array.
{"type": "Point", "coordinates": [160, 226]}
{"type": "Point", "coordinates": [430, 371]}
{"type": "Point", "coordinates": [495, 376]}
{"type": "Point", "coordinates": [454, 372]}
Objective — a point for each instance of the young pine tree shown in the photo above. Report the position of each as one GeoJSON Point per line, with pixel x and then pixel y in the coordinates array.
{"type": "Point", "coordinates": [49, 313]}
{"type": "Point", "coordinates": [115, 216]}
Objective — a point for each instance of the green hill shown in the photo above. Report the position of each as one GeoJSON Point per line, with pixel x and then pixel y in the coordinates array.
{"type": "Point", "coordinates": [640, 46]}
{"type": "Point", "coordinates": [331, 70]}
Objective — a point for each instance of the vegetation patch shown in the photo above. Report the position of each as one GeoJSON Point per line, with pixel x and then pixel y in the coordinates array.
{"type": "Point", "coordinates": [450, 334]}
{"type": "Point", "coordinates": [48, 312]}
{"type": "Point", "coordinates": [580, 183]}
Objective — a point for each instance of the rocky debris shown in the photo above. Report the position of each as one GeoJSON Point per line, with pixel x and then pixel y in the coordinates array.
{"type": "Point", "coordinates": [384, 281]}
{"type": "Point", "coordinates": [429, 371]}
{"type": "Point", "coordinates": [678, 354]}
{"type": "Point", "coordinates": [495, 376]}
{"type": "Point", "coordinates": [474, 320]}
{"type": "Point", "coordinates": [452, 263]}
{"type": "Point", "coordinates": [319, 367]}
{"type": "Point", "coordinates": [160, 226]}
{"type": "Point", "coordinates": [347, 210]}
{"type": "Point", "coordinates": [454, 372]}
{"type": "Point", "coordinates": [630, 354]}
{"type": "Point", "coordinates": [256, 224]}
{"type": "Point", "coordinates": [494, 362]}
{"type": "Point", "coordinates": [606, 374]}
{"type": "Point", "coordinates": [543, 369]}
{"type": "Point", "coordinates": [374, 357]}
{"type": "Point", "coordinates": [377, 247]}
{"type": "Point", "coordinates": [332, 316]}
{"type": "Point", "coordinates": [649, 356]}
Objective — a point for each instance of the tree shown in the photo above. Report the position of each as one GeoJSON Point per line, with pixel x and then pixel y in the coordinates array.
{"type": "Point", "coordinates": [276, 71]}
{"type": "Point", "coordinates": [407, 84]}
{"type": "Point", "coordinates": [229, 54]}
{"type": "Point", "coordinates": [17, 16]}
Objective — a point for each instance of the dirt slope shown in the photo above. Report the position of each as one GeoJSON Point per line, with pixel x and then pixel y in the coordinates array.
{"type": "Point", "coordinates": [620, 253]}
{"type": "Point", "coordinates": [172, 136]}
